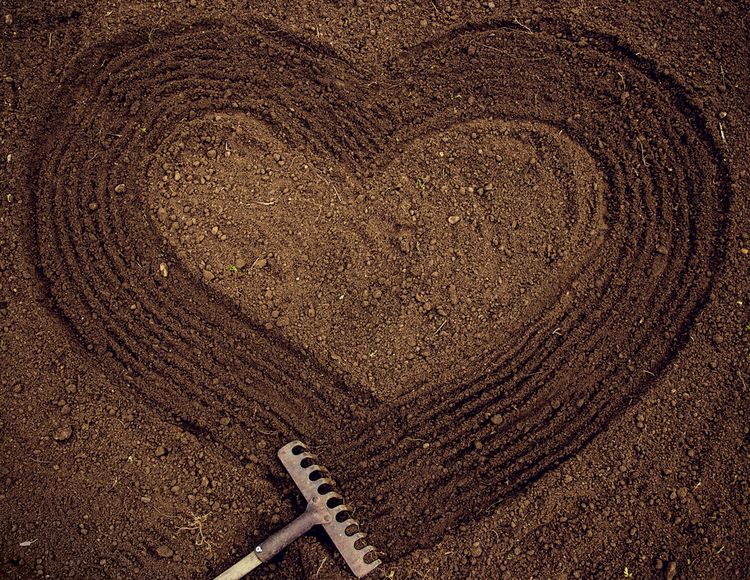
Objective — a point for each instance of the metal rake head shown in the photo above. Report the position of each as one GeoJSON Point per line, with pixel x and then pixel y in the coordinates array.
{"type": "Point", "coordinates": [325, 507]}
{"type": "Point", "coordinates": [317, 487]}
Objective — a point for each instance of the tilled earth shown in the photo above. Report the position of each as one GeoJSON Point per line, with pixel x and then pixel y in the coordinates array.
{"type": "Point", "coordinates": [490, 261]}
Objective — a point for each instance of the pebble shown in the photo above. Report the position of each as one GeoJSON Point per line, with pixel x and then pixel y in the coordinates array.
{"type": "Point", "coordinates": [260, 263]}
{"type": "Point", "coordinates": [63, 433]}
{"type": "Point", "coordinates": [93, 205]}
{"type": "Point", "coordinates": [164, 269]}
{"type": "Point", "coordinates": [240, 263]}
{"type": "Point", "coordinates": [177, 176]}
{"type": "Point", "coordinates": [160, 451]}
{"type": "Point", "coordinates": [120, 188]}
{"type": "Point", "coordinates": [164, 551]}
{"type": "Point", "coordinates": [722, 114]}
{"type": "Point", "coordinates": [671, 570]}
{"type": "Point", "coordinates": [496, 419]}
{"type": "Point", "coordinates": [454, 219]}
{"type": "Point", "coordinates": [208, 275]}
{"type": "Point", "coordinates": [282, 321]}
{"type": "Point", "coordinates": [476, 550]}
{"type": "Point", "coordinates": [225, 421]}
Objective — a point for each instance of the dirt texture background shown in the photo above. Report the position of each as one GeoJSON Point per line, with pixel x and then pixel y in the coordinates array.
{"type": "Point", "coordinates": [490, 260]}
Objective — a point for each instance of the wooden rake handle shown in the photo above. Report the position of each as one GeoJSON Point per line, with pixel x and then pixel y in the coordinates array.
{"type": "Point", "coordinates": [315, 514]}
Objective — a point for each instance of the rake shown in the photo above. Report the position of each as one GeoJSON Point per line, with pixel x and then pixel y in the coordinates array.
{"type": "Point", "coordinates": [325, 507]}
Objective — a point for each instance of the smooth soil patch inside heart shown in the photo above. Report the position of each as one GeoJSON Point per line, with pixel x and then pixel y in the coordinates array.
{"type": "Point", "coordinates": [417, 271]}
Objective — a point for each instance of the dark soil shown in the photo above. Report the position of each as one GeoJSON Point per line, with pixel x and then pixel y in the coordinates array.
{"type": "Point", "coordinates": [491, 262]}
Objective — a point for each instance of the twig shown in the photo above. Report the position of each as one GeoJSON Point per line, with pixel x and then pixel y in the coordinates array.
{"type": "Point", "coordinates": [197, 526]}
{"type": "Point", "coordinates": [441, 326]}
{"type": "Point", "coordinates": [321, 566]}
{"type": "Point", "coordinates": [272, 202]}
{"type": "Point", "coordinates": [515, 21]}
{"type": "Point", "coordinates": [643, 155]}
{"type": "Point", "coordinates": [721, 132]}
{"type": "Point", "coordinates": [622, 78]}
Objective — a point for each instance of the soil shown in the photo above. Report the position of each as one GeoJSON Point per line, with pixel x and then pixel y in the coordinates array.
{"type": "Point", "coordinates": [490, 261]}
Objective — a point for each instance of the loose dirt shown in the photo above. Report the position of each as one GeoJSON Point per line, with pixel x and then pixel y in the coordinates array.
{"type": "Point", "coordinates": [490, 262]}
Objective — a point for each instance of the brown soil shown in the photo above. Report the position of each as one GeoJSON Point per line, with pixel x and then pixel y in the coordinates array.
{"type": "Point", "coordinates": [491, 262]}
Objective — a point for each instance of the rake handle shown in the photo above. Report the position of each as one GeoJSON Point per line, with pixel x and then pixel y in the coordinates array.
{"type": "Point", "coordinates": [314, 514]}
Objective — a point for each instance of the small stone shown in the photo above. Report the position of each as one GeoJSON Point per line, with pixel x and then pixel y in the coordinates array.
{"type": "Point", "coordinates": [260, 263]}
{"type": "Point", "coordinates": [164, 269]}
{"type": "Point", "coordinates": [225, 421]}
{"type": "Point", "coordinates": [240, 263]}
{"type": "Point", "coordinates": [454, 219]}
{"type": "Point", "coordinates": [722, 114]}
{"type": "Point", "coordinates": [671, 570]}
{"type": "Point", "coordinates": [476, 550]}
{"type": "Point", "coordinates": [282, 321]}
{"type": "Point", "coordinates": [212, 153]}
{"type": "Point", "coordinates": [177, 175]}
{"type": "Point", "coordinates": [63, 433]}
{"type": "Point", "coordinates": [8, 19]}
{"type": "Point", "coordinates": [120, 188]}
{"type": "Point", "coordinates": [496, 419]}
{"type": "Point", "coordinates": [164, 551]}
{"type": "Point", "coordinates": [555, 404]}
{"type": "Point", "coordinates": [93, 205]}
{"type": "Point", "coordinates": [208, 275]}
{"type": "Point", "coordinates": [160, 451]}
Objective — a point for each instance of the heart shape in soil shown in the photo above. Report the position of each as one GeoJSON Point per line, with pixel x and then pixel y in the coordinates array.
{"type": "Point", "coordinates": [567, 298]}
{"type": "Point", "coordinates": [398, 278]}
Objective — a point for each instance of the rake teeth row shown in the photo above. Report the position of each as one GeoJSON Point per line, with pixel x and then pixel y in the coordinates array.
{"type": "Point", "coordinates": [309, 478]}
